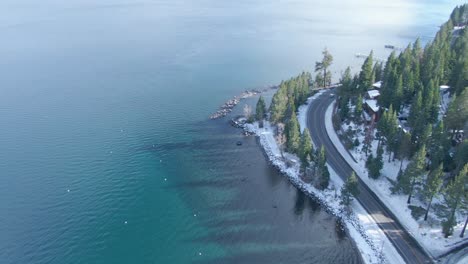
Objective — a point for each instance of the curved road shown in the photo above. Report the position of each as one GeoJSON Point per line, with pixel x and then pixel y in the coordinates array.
{"type": "Point", "coordinates": [408, 248]}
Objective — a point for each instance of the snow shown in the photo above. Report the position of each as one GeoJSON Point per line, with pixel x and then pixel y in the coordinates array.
{"type": "Point", "coordinates": [372, 243]}
{"type": "Point", "coordinates": [377, 85]}
{"type": "Point", "coordinates": [372, 94]}
{"type": "Point", "coordinates": [372, 104]}
{"type": "Point", "coordinates": [428, 234]}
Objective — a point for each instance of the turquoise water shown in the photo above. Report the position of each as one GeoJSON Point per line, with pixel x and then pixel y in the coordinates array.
{"type": "Point", "coordinates": [106, 153]}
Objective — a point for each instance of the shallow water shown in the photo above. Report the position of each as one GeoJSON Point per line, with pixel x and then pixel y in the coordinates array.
{"type": "Point", "coordinates": [106, 153]}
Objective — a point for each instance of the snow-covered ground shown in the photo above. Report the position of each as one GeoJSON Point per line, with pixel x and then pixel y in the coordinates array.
{"type": "Point", "coordinates": [428, 234]}
{"type": "Point", "coordinates": [370, 240]}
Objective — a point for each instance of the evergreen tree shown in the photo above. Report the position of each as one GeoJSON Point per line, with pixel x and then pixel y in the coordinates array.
{"type": "Point", "coordinates": [322, 169]}
{"type": "Point", "coordinates": [279, 104]}
{"type": "Point", "coordinates": [457, 113]}
{"type": "Point", "coordinates": [416, 118]}
{"type": "Point", "coordinates": [432, 187]}
{"type": "Point", "coordinates": [404, 150]}
{"type": "Point", "coordinates": [260, 109]}
{"type": "Point", "coordinates": [453, 196]}
{"type": "Point", "coordinates": [323, 65]}
{"type": "Point", "coordinates": [349, 189]}
{"type": "Point", "coordinates": [293, 134]}
{"type": "Point", "coordinates": [379, 161]}
{"type": "Point", "coordinates": [398, 94]}
{"type": "Point", "coordinates": [358, 107]}
{"type": "Point", "coordinates": [365, 76]}
{"type": "Point", "coordinates": [306, 148]}
{"type": "Point", "coordinates": [392, 132]}
{"type": "Point", "coordinates": [382, 126]}
{"type": "Point", "coordinates": [378, 71]}
{"type": "Point", "coordinates": [415, 170]}
{"type": "Point", "coordinates": [438, 145]}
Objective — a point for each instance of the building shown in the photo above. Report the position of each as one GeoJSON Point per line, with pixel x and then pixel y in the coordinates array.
{"type": "Point", "coordinates": [372, 94]}
{"type": "Point", "coordinates": [372, 109]}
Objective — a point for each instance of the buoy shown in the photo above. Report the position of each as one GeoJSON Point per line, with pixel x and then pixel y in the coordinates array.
{"type": "Point", "coordinates": [165, 179]}
{"type": "Point", "coordinates": [195, 215]}
{"type": "Point", "coordinates": [125, 222]}
{"type": "Point", "coordinates": [110, 152]}
{"type": "Point", "coordinates": [68, 190]}
{"type": "Point", "coordinates": [199, 253]}
{"type": "Point", "coordinates": [160, 160]}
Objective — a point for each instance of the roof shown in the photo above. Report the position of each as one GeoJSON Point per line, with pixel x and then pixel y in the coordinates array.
{"type": "Point", "coordinates": [372, 104]}
{"type": "Point", "coordinates": [377, 84]}
{"type": "Point", "coordinates": [373, 93]}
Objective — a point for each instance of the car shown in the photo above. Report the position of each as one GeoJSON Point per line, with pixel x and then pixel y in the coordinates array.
{"type": "Point", "coordinates": [332, 95]}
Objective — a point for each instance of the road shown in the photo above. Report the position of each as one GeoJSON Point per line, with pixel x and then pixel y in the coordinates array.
{"type": "Point", "coordinates": [408, 248]}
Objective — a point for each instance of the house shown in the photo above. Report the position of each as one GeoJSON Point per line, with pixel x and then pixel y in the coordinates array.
{"type": "Point", "coordinates": [372, 94]}
{"type": "Point", "coordinates": [372, 109]}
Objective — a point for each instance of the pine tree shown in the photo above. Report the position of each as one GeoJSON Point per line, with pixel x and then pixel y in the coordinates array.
{"type": "Point", "coordinates": [293, 134]}
{"type": "Point", "coordinates": [375, 165]}
{"type": "Point", "coordinates": [306, 148]}
{"type": "Point", "coordinates": [260, 109]}
{"type": "Point", "coordinates": [392, 132]}
{"type": "Point", "coordinates": [365, 76]}
{"type": "Point", "coordinates": [398, 94]}
{"type": "Point", "coordinates": [323, 65]}
{"type": "Point", "coordinates": [453, 196]}
{"type": "Point", "coordinates": [415, 170]}
{"type": "Point", "coordinates": [322, 169]}
{"type": "Point", "coordinates": [457, 113]}
{"type": "Point", "coordinates": [432, 186]}
{"type": "Point", "coordinates": [437, 145]}
{"type": "Point", "coordinates": [416, 118]}
{"type": "Point", "coordinates": [405, 148]}
{"type": "Point", "coordinates": [358, 107]}
{"type": "Point", "coordinates": [378, 71]}
{"type": "Point", "coordinates": [279, 104]}
{"type": "Point", "coordinates": [349, 189]}
{"type": "Point", "coordinates": [382, 126]}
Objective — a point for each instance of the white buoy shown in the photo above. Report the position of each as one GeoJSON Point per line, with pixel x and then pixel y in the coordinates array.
{"type": "Point", "coordinates": [68, 190]}
{"type": "Point", "coordinates": [160, 160]}
{"type": "Point", "coordinates": [125, 222]}
{"type": "Point", "coordinates": [165, 179]}
{"type": "Point", "coordinates": [195, 215]}
{"type": "Point", "coordinates": [199, 253]}
{"type": "Point", "coordinates": [110, 152]}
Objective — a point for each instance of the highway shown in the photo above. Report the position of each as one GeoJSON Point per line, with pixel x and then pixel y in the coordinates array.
{"type": "Point", "coordinates": [408, 248]}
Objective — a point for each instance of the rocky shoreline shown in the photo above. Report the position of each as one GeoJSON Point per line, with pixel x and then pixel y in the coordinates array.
{"type": "Point", "coordinates": [227, 107]}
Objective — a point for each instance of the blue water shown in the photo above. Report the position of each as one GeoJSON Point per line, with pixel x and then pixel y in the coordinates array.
{"type": "Point", "coordinates": [106, 153]}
